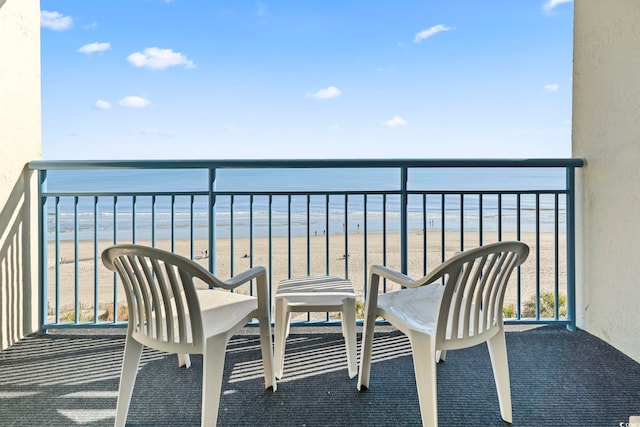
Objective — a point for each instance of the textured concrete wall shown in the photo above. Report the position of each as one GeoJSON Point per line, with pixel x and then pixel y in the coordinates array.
{"type": "Point", "coordinates": [20, 142]}
{"type": "Point", "coordinates": [606, 132]}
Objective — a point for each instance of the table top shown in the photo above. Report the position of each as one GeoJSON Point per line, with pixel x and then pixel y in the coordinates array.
{"type": "Point", "coordinates": [315, 286]}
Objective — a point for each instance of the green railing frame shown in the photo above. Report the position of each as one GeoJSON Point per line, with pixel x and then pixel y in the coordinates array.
{"type": "Point", "coordinates": [569, 164]}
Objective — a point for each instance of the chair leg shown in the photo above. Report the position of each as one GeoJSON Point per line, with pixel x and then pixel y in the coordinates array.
{"type": "Point", "coordinates": [267, 353]}
{"type": "Point", "coordinates": [499, 362]}
{"type": "Point", "coordinates": [281, 326]}
{"type": "Point", "coordinates": [424, 365]}
{"type": "Point", "coordinates": [349, 333]}
{"type": "Point", "coordinates": [130, 362]}
{"type": "Point", "coordinates": [184, 360]}
{"type": "Point", "coordinates": [366, 348]}
{"type": "Point", "coordinates": [212, 370]}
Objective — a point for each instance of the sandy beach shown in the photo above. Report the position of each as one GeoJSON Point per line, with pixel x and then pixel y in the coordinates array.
{"type": "Point", "coordinates": [279, 263]}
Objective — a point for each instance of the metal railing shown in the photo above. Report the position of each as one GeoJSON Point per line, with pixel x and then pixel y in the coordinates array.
{"type": "Point", "coordinates": [303, 217]}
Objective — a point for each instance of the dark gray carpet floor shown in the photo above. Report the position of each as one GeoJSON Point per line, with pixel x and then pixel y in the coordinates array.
{"type": "Point", "coordinates": [558, 378]}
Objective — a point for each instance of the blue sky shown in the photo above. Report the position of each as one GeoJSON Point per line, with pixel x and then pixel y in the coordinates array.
{"type": "Point", "coordinates": [191, 79]}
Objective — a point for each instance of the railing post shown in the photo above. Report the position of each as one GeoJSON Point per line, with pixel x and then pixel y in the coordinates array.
{"type": "Point", "coordinates": [42, 265]}
{"type": "Point", "coordinates": [212, 221]}
{"type": "Point", "coordinates": [115, 275]}
{"type": "Point", "coordinates": [571, 249]}
{"type": "Point", "coordinates": [404, 232]}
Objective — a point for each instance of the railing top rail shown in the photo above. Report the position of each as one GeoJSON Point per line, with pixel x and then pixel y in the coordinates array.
{"type": "Point", "coordinates": [303, 163]}
{"type": "Point", "coordinates": [265, 193]}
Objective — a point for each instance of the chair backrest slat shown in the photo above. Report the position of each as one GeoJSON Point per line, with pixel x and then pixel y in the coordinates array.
{"type": "Point", "coordinates": [137, 299]}
{"type": "Point", "coordinates": [475, 286]}
{"type": "Point", "coordinates": [182, 310]}
{"type": "Point", "coordinates": [159, 299]}
{"type": "Point", "coordinates": [510, 261]}
{"type": "Point", "coordinates": [479, 314]}
{"type": "Point", "coordinates": [475, 282]}
{"type": "Point", "coordinates": [163, 303]}
{"type": "Point", "coordinates": [148, 298]}
{"type": "Point", "coordinates": [189, 294]}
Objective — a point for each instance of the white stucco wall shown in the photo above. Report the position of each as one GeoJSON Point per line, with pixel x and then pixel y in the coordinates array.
{"type": "Point", "coordinates": [606, 133]}
{"type": "Point", "coordinates": [20, 142]}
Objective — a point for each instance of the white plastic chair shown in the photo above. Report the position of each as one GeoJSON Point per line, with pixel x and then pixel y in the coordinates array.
{"type": "Point", "coordinates": [457, 305]}
{"type": "Point", "coordinates": [168, 313]}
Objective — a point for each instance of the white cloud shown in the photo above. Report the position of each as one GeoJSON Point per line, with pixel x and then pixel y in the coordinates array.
{"type": "Point", "coordinates": [102, 105]}
{"type": "Point", "coordinates": [55, 21]}
{"type": "Point", "coordinates": [134, 101]}
{"type": "Point", "coordinates": [551, 87]}
{"type": "Point", "coordinates": [261, 8]}
{"type": "Point", "coordinates": [394, 122]}
{"type": "Point", "coordinates": [94, 47]}
{"type": "Point", "coordinates": [159, 59]}
{"type": "Point", "coordinates": [330, 92]}
{"type": "Point", "coordinates": [549, 5]}
{"type": "Point", "coordinates": [424, 34]}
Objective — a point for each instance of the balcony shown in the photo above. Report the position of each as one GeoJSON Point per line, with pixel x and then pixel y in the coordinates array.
{"type": "Point", "coordinates": [560, 376]}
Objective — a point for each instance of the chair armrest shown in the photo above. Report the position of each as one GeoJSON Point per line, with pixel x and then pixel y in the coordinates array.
{"type": "Point", "coordinates": [244, 277]}
{"type": "Point", "coordinates": [403, 279]}
{"type": "Point", "coordinates": [393, 275]}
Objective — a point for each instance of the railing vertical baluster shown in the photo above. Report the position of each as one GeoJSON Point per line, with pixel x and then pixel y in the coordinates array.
{"type": "Point", "coordinates": [191, 225]}
{"type": "Point", "coordinates": [499, 217]}
{"type": "Point", "coordinates": [424, 234]}
{"type": "Point", "coordinates": [308, 235]}
{"type": "Point", "coordinates": [115, 276]}
{"type": "Point", "coordinates": [346, 236]}
{"type": "Point", "coordinates": [480, 219]}
{"type": "Point", "coordinates": [326, 233]}
{"type": "Point", "coordinates": [556, 252]}
{"type": "Point", "coordinates": [461, 222]}
{"type": "Point", "coordinates": [384, 237]}
{"type": "Point", "coordinates": [58, 260]}
{"type": "Point", "coordinates": [443, 212]}
{"type": "Point", "coordinates": [153, 220]}
{"type": "Point", "coordinates": [173, 223]}
{"type": "Point", "coordinates": [404, 227]}
{"type": "Point", "coordinates": [96, 286]}
{"type": "Point", "coordinates": [211, 251]}
{"type": "Point", "coordinates": [270, 246]}
{"type": "Point", "coordinates": [289, 236]}
{"type": "Point", "coordinates": [518, 237]}
{"type": "Point", "coordinates": [133, 219]}
{"type": "Point", "coordinates": [76, 261]}
{"type": "Point", "coordinates": [537, 256]}
{"type": "Point", "coordinates": [231, 234]}
{"type": "Point", "coordinates": [251, 242]}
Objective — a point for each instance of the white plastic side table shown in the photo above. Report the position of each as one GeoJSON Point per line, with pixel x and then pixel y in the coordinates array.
{"type": "Point", "coordinates": [315, 294]}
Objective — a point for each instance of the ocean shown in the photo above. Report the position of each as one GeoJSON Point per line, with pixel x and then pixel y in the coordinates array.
{"type": "Point", "coordinates": [120, 202]}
